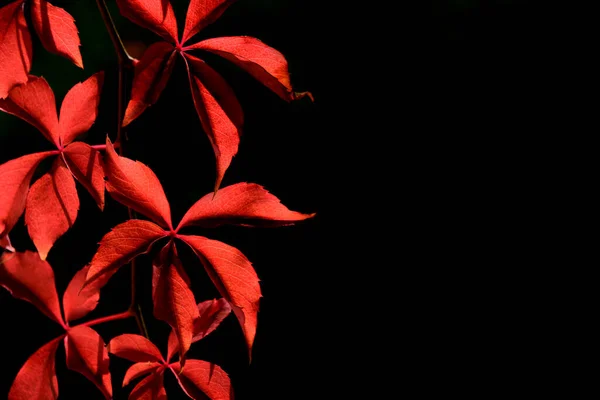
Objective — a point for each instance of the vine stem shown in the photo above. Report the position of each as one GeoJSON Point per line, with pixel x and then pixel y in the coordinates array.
{"type": "Point", "coordinates": [125, 61]}
{"type": "Point", "coordinates": [114, 317]}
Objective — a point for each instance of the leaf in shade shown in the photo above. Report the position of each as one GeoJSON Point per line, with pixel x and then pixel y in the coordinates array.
{"type": "Point", "coordinates": [152, 73]}
{"type": "Point", "coordinates": [29, 278]}
{"type": "Point", "coordinates": [78, 302]}
{"type": "Point", "coordinates": [134, 185]}
{"type": "Point", "coordinates": [57, 31]}
{"type": "Point", "coordinates": [79, 108]}
{"type": "Point", "coordinates": [37, 377]}
{"type": "Point", "coordinates": [264, 63]}
{"type": "Point", "coordinates": [219, 111]}
{"type": "Point", "coordinates": [34, 102]}
{"type": "Point", "coordinates": [15, 176]}
{"type": "Point", "coordinates": [134, 348]}
{"type": "Point", "coordinates": [234, 277]}
{"type": "Point", "coordinates": [150, 388]}
{"type": "Point", "coordinates": [86, 165]}
{"type": "Point", "coordinates": [15, 47]}
{"type": "Point", "coordinates": [121, 245]}
{"type": "Point", "coordinates": [139, 369]}
{"type": "Point", "coordinates": [6, 245]}
{"type": "Point", "coordinates": [173, 300]}
{"type": "Point", "coordinates": [52, 207]}
{"type": "Point", "coordinates": [246, 204]}
{"type": "Point", "coordinates": [202, 13]}
{"type": "Point", "coordinates": [86, 353]}
{"type": "Point", "coordinates": [156, 15]}
{"type": "Point", "coordinates": [200, 378]}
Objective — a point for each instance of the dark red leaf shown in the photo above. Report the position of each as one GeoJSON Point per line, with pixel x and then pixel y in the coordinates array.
{"type": "Point", "coordinates": [86, 353]}
{"type": "Point", "coordinates": [6, 245]}
{"type": "Point", "coordinates": [37, 377]}
{"type": "Point", "coordinates": [212, 313]}
{"type": "Point", "coordinates": [134, 185]}
{"type": "Point", "coordinates": [15, 47]}
{"type": "Point", "coordinates": [121, 245]}
{"type": "Point", "coordinates": [234, 277]}
{"type": "Point", "coordinates": [29, 278]}
{"type": "Point", "coordinates": [52, 207]}
{"type": "Point", "coordinates": [200, 378]}
{"type": "Point", "coordinates": [174, 302]}
{"type": "Point", "coordinates": [152, 73]}
{"type": "Point", "coordinates": [219, 111]}
{"type": "Point", "coordinates": [78, 302]}
{"type": "Point", "coordinates": [79, 108]}
{"type": "Point", "coordinates": [156, 15]}
{"type": "Point", "coordinates": [246, 204]}
{"type": "Point", "coordinates": [139, 369]}
{"type": "Point", "coordinates": [16, 175]}
{"type": "Point", "coordinates": [264, 63]}
{"type": "Point", "coordinates": [202, 13]}
{"type": "Point", "coordinates": [57, 31]}
{"type": "Point", "coordinates": [150, 388]}
{"type": "Point", "coordinates": [86, 165]}
{"type": "Point", "coordinates": [34, 102]}
{"type": "Point", "coordinates": [134, 348]}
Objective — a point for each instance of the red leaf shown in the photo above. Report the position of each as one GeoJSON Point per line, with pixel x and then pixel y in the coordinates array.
{"type": "Point", "coordinates": [52, 206]}
{"type": "Point", "coordinates": [212, 313]}
{"type": "Point", "coordinates": [86, 165]}
{"type": "Point", "coordinates": [28, 278]}
{"type": "Point", "coordinates": [78, 302]}
{"type": "Point", "coordinates": [34, 102]}
{"type": "Point", "coordinates": [134, 185]}
{"type": "Point", "coordinates": [37, 377]}
{"type": "Point", "coordinates": [15, 47]}
{"type": "Point", "coordinates": [156, 15]}
{"type": "Point", "coordinates": [5, 244]}
{"type": "Point", "coordinates": [234, 277]}
{"type": "Point", "coordinates": [121, 245]}
{"type": "Point", "coordinates": [152, 73]}
{"type": "Point", "coordinates": [134, 348]}
{"type": "Point", "coordinates": [219, 111]}
{"type": "Point", "coordinates": [246, 204]}
{"type": "Point", "coordinates": [264, 63]}
{"type": "Point", "coordinates": [15, 176]}
{"type": "Point", "coordinates": [174, 302]}
{"type": "Point", "coordinates": [150, 388]}
{"type": "Point", "coordinates": [139, 369]}
{"type": "Point", "coordinates": [202, 13]}
{"type": "Point", "coordinates": [86, 353]}
{"type": "Point", "coordinates": [201, 378]}
{"type": "Point", "coordinates": [79, 108]}
{"type": "Point", "coordinates": [56, 30]}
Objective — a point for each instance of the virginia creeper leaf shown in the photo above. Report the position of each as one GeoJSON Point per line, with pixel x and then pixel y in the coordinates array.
{"type": "Point", "coordinates": [57, 31]}
{"type": "Point", "coordinates": [152, 73]}
{"type": "Point", "coordinates": [121, 245]}
{"type": "Point", "coordinates": [202, 13]}
{"type": "Point", "coordinates": [6, 245]}
{"type": "Point", "coordinates": [246, 204]}
{"type": "Point", "coordinates": [134, 348]}
{"type": "Point", "coordinates": [52, 206]}
{"type": "Point", "coordinates": [200, 378]}
{"type": "Point", "coordinates": [174, 302]}
{"type": "Point", "coordinates": [150, 388]}
{"type": "Point", "coordinates": [78, 302]}
{"type": "Point", "coordinates": [79, 108]}
{"type": "Point", "coordinates": [37, 377]}
{"type": "Point", "coordinates": [156, 15]}
{"type": "Point", "coordinates": [15, 176]}
{"type": "Point", "coordinates": [139, 369]}
{"type": "Point", "coordinates": [15, 47]}
{"type": "Point", "coordinates": [86, 353]}
{"type": "Point", "coordinates": [86, 164]}
{"type": "Point", "coordinates": [264, 63]}
{"type": "Point", "coordinates": [134, 185]}
{"type": "Point", "coordinates": [234, 277]}
{"type": "Point", "coordinates": [29, 278]}
{"type": "Point", "coordinates": [219, 111]}
{"type": "Point", "coordinates": [34, 102]}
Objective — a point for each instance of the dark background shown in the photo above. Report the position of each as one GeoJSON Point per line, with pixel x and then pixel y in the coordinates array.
{"type": "Point", "coordinates": [283, 149]}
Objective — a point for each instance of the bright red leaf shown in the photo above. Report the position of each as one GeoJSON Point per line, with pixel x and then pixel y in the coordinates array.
{"type": "Point", "coordinates": [200, 378]}
{"type": "Point", "coordinates": [86, 165]}
{"type": "Point", "coordinates": [37, 377]}
{"type": "Point", "coordinates": [135, 348]}
{"type": "Point", "coordinates": [156, 15]}
{"type": "Point", "coordinates": [78, 302]}
{"type": "Point", "coordinates": [138, 369]}
{"type": "Point", "coordinates": [52, 206]}
{"type": "Point", "coordinates": [86, 353]}
{"type": "Point", "coordinates": [15, 47]}
{"type": "Point", "coordinates": [202, 13]}
{"type": "Point", "coordinates": [150, 388]}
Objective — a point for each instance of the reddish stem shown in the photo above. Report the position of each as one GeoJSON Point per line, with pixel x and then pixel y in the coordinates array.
{"type": "Point", "coordinates": [100, 147]}
{"type": "Point", "coordinates": [115, 317]}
